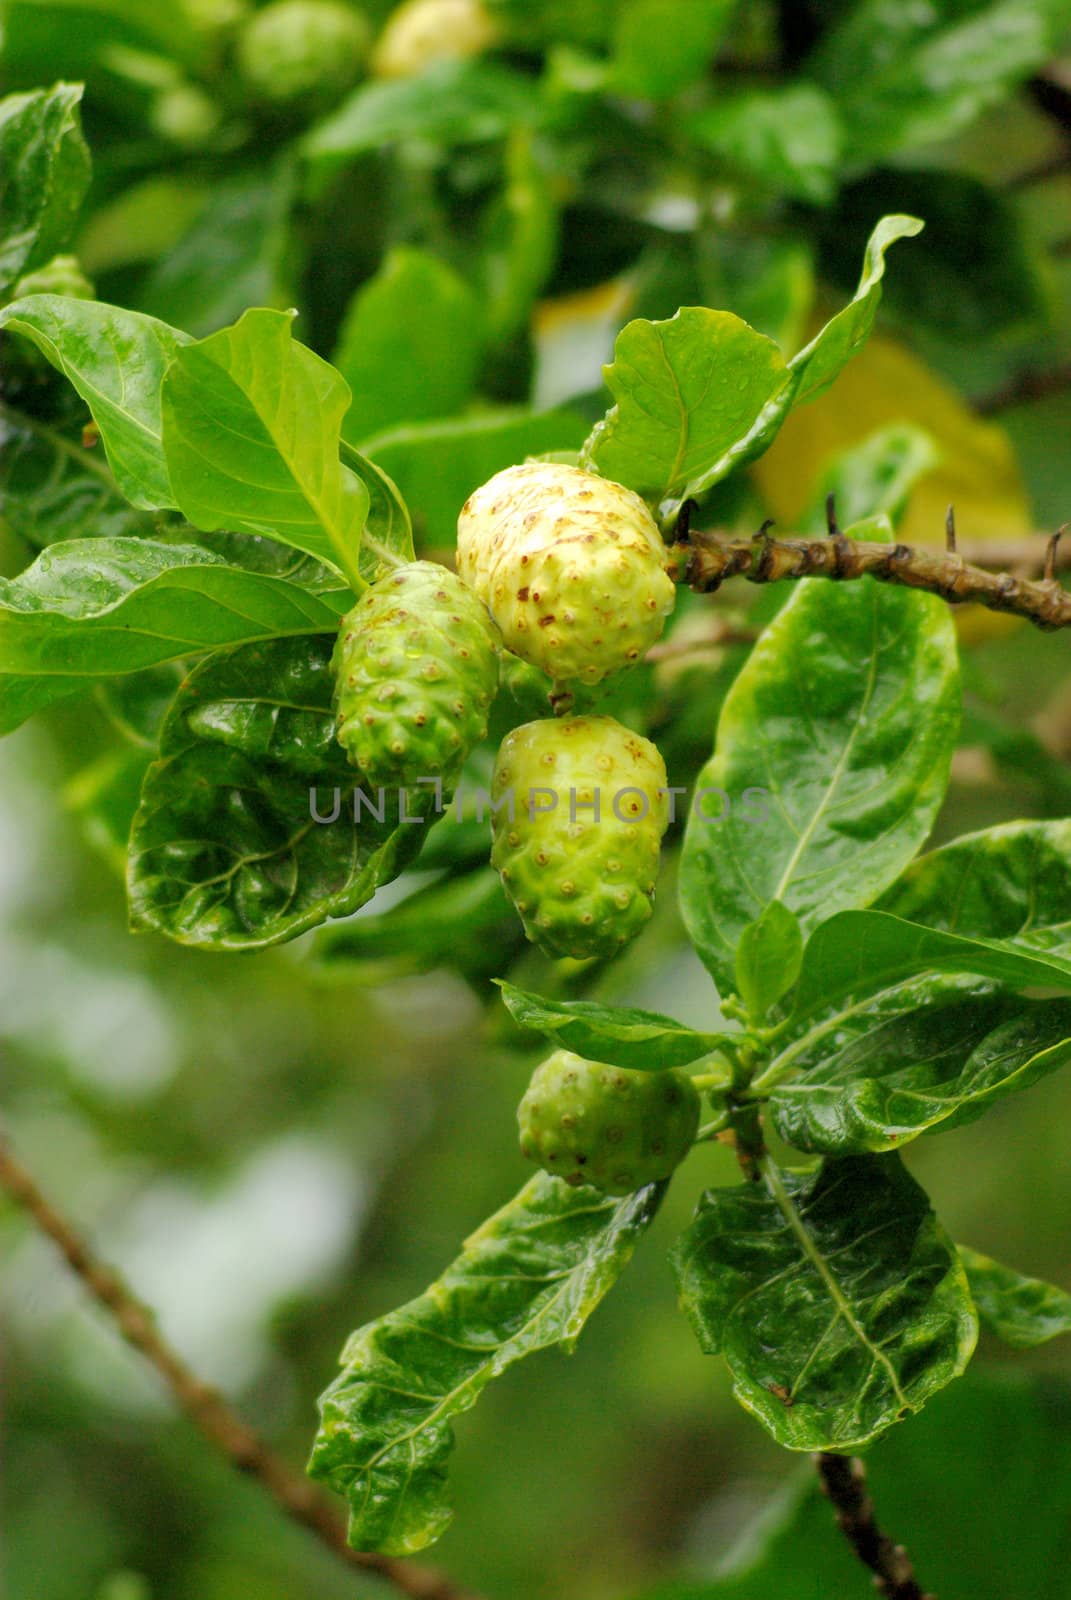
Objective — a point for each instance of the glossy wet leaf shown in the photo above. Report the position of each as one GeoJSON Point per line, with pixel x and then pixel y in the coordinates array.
{"type": "Point", "coordinates": [528, 1279]}
{"type": "Point", "coordinates": [620, 1035]}
{"type": "Point", "coordinates": [844, 719]}
{"type": "Point", "coordinates": [116, 360]}
{"type": "Point", "coordinates": [829, 352]}
{"type": "Point", "coordinates": [768, 959]}
{"type": "Point", "coordinates": [688, 392]}
{"type": "Point", "coordinates": [226, 852]}
{"type": "Point", "coordinates": [251, 426]}
{"type": "Point", "coordinates": [857, 953]}
{"type": "Point", "coordinates": [44, 174]}
{"type": "Point", "coordinates": [52, 487]}
{"type": "Point", "coordinates": [91, 608]}
{"type": "Point", "coordinates": [410, 344]}
{"type": "Point", "coordinates": [387, 537]}
{"type": "Point", "coordinates": [944, 1064]}
{"type": "Point", "coordinates": [1022, 1311]}
{"type": "Point", "coordinates": [702, 393]}
{"type": "Point", "coordinates": [836, 1298]}
{"type": "Point", "coordinates": [1009, 882]}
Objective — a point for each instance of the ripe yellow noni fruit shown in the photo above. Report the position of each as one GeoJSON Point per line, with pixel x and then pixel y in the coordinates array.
{"type": "Point", "coordinates": [570, 565]}
{"type": "Point", "coordinates": [421, 33]}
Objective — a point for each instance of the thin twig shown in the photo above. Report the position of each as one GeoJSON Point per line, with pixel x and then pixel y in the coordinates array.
{"type": "Point", "coordinates": [206, 1409]}
{"type": "Point", "coordinates": [1026, 387]}
{"type": "Point", "coordinates": [710, 558]}
{"type": "Point", "coordinates": [843, 1480]}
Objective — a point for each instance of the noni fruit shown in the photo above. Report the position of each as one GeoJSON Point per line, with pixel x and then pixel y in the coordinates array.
{"type": "Point", "coordinates": [422, 32]}
{"type": "Point", "coordinates": [614, 1129]}
{"type": "Point", "coordinates": [416, 670]}
{"type": "Point", "coordinates": [579, 809]}
{"type": "Point", "coordinates": [571, 566]}
{"type": "Point", "coordinates": [302, 49]}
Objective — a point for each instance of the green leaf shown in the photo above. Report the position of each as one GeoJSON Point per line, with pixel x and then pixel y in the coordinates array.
{"type": "Point", "coordinates": [835, 1296]}
{"type": "Point", "coordinates": [92, 608]}
{"type": "Point", "coordinates": [455, 102]}
{"type": "Point", "coordinates": [236, 254]}
{"type": "Point", "coordinates": [464, 923]}
{"type": "Point", "coordinates": [844, 719]}
{"type": "Point", "coordinates": [437, 465]}
{"type": "Point", "coordinates": [44, 174]}
{"type": "Point", "coordinates": [643, 1040]}
{"type": "Point", "coordinates": [661, 46]}
{"type": "Point", "coordinates": [47, 38]}
{"type": "Point", "coordinates": [1009, 882]}
{"type": "Point", "coordinates": [387, 540]}
{"type": "Point", "coordinates": [1022, 1311]}
{"type": "Point", "coordinates": [689, 392]}
{"type": "Point", "coordinates": [992, 1451]}
{"type": "Point", "coordinates": [527, 1280]}
{"type": "Point", "coordinates": [919, 1070]}
{"type": "Point", "coordinates": [702, 393]}
{"type": "Point", "coordinates": [225, 851]}
{"type": "Point", "coordinates": [768, 959]}
{"type": "Point", "coordinates": [829, 352]}
{"type": "Point", "coordinates": [53, 488]}
{"type": "Point", "coordinates": [787, 139]}
{"type": "Point", "coordinates": [907, 76]}
{"type": "Point", "coordinates": [856, 953]}
{"type": "Point", "coordinates": [116, 361]}
{"type": "Point", "coordinates": [251, 425]}
{"type": "Point", "coordinates": [410, 345]}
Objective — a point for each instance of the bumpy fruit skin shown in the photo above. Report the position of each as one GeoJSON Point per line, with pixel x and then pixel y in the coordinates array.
{"type": "Point", "coordinates": [582, 885]}
{"type": "Point", "coordinates": [571, 566]}
{"type": "Point", "coordinates": [295, 49]}
{"type": "Point", "coordinates": [616, 1130]}
{"type": "Point", "coordinates": [422, 32]}
{"type": "Point", "coordinates": [416, 670]}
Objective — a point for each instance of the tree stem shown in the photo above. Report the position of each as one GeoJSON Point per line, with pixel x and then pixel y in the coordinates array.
{"type": "Point", "coordinates": [843, 1480]}
{"type": "Point", "coordinates": [206, 1409]}
{"type": "Point", "coordinates": [710, 558]}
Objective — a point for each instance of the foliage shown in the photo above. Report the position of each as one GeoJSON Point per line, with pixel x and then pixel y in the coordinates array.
{"type": "Point", "coordinates": [685, 200]}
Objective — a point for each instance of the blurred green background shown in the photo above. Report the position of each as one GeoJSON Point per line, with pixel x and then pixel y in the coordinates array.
{"type": "Point", "coordinates": [274, 1149]}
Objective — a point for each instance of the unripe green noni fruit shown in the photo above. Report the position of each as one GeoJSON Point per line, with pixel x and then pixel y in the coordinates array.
{"type": "Point", "coordinates": [422, 32]}
{"type": "Point", "coordinates": [579, 812]}
{"type": "Point", "coordinates": [416, 670]}
{"type": "Point", "coordinates": [571, 566]}
{"type": "Point", "coordinates": [295, 49]}
{"type": "Point", "coordinates": [614, 1129]}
